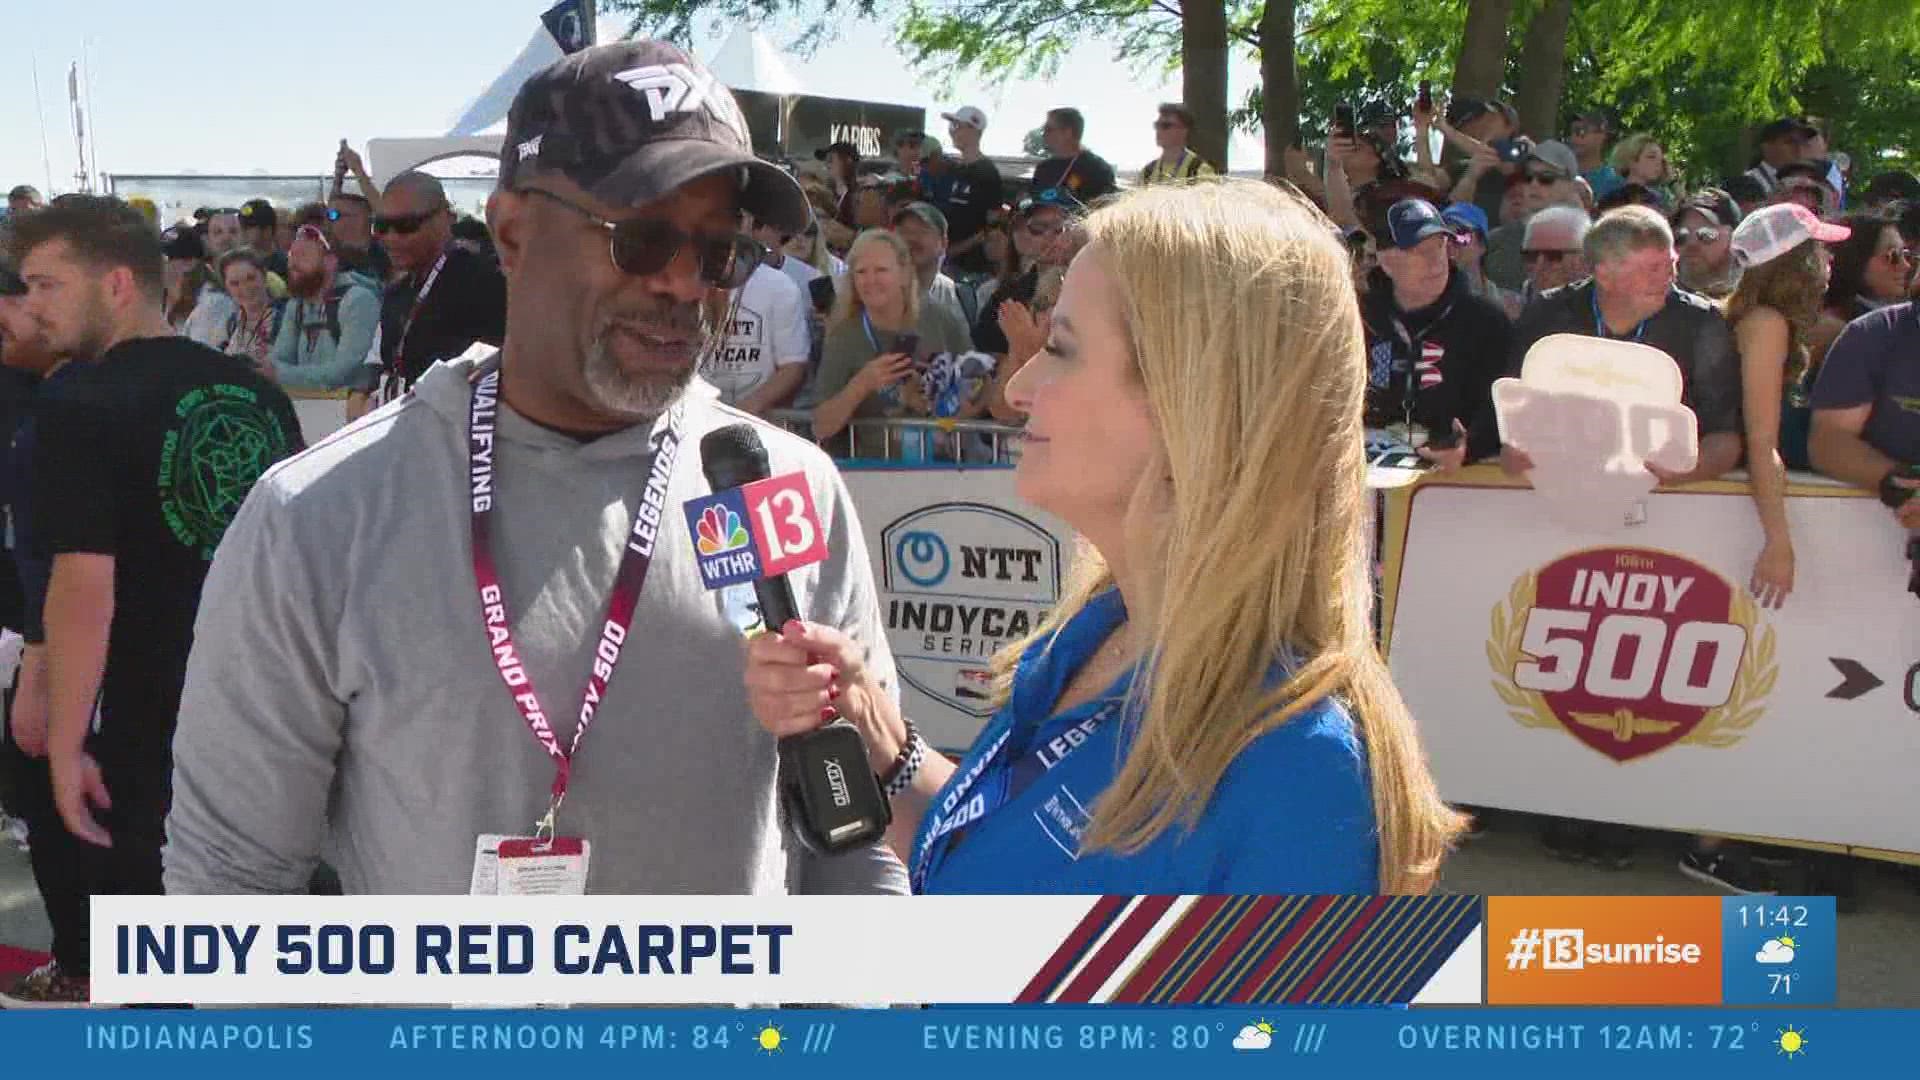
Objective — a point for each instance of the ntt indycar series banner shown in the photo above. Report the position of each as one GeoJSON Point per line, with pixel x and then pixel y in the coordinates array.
{"type": "Point", "coordinates": [1159, 950]}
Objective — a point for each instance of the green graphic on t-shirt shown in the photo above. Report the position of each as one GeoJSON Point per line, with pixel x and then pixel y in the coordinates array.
{"type": "Point", "coordinates": [222, 439]}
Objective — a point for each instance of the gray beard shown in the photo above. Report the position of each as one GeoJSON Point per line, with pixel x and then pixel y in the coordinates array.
{"type": "Point", "coordinates": [645, 397]}
{"type": "Point", "coordinates": [639, 397]}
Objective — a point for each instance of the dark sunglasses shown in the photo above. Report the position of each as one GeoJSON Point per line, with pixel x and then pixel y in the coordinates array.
{"type": "Point", "coordinates": [332, 214]}
{"type": "Point", "coordinates": [1543, 179]}
{"type": "Point", "coordinates": [646, 246]}
{"type": "Point", "coordinates": [1551, 258]}
{"type": "Point", "coordinates": [1581, 131]}
{"type": "Point", "coordinates": [1705, 234]}
{"type": "Point", "coordinates": [402, 224]}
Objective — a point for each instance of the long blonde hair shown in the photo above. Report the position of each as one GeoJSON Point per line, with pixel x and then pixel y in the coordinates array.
{"type": "Point", "coordinates": [1247, 341]}
{"type": "Point", "coordinates": [847, 304]}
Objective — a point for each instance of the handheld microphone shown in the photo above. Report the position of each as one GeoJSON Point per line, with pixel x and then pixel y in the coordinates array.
{"type": "Point", "coordinates": [833, 800]}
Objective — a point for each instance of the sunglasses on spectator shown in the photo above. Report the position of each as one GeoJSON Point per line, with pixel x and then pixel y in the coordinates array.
{"type": "Point", "coordinates": [1544, 179]}
{"type": "Point", "coordinates": [1581, 131]}
{"type": "Point", "coordinates": [1054, 229]}
{"type": "Point", "coordinates": [1163, 125]}
{"type": "Point", "coordinates": [1705, 234]}
{"type": "Point", "coordinates": [1898, 256]}
{"type": "Point", "coordinates": [402, 224]}
{"type": "Point", "coordinates": [332, 214]}
{"type": "Point", "coordinates": [1547, 255]}
{"type": "Point", "coordinates": [646, 246]}
{"type": "Point", "coordinates": [314, 233]}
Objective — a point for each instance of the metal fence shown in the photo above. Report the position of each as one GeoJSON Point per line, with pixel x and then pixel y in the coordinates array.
{"type": "Point", "coordinates": [914, 439]}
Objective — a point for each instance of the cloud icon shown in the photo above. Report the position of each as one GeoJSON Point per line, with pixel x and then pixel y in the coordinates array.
{"type": "Point", "coordinates": [1252, 1038]}
{"type": "Point", "coordinates": [1774, 952]}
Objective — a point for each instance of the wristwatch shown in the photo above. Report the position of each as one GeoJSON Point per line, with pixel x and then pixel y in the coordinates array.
{"type": "Point", "coordinates": [1891, 493]}
{"type": "Point", "coordinates": [906, 764]}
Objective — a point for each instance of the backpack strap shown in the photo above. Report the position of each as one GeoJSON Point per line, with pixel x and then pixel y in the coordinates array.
{"type": "Point", "coordinates": [334, 299]}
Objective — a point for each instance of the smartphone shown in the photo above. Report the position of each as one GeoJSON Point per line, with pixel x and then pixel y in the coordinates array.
{"type": "Point", "coordinates": [909, 344]}
{"type": "Point", "coordinates": [340, 169]}
{"type": "Point", "coordinates": [1343, 119]}
{"type": "Point", "coordinates": [820, 291]}
{"type": "Point", "coordinates": [1425, 101]}
{"type": "Point", "coordinates": [1511, 151]}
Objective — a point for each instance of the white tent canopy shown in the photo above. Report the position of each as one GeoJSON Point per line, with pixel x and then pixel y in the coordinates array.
{"type": "Point", "coordinates": [749, 61]}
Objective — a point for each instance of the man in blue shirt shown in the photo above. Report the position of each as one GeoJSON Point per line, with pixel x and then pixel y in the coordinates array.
{"type": "Point", "coordinates": [1866, 408]}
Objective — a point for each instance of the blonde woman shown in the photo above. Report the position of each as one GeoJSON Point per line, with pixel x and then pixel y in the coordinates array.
{"type": "Point", "coordinates": [1640, 159]}
{"type": "Point", "coordinates": [878, 335]}
{"type": "Point", "coordinates": [1208, 680]}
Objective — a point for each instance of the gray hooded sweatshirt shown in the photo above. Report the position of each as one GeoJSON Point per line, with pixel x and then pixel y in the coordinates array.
{"type": "Point", "coordinates": [342, 698]}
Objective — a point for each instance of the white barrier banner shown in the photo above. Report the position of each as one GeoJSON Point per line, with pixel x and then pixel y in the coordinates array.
{"type": "Point", "coordinates": [1635, 680]}
{"type": "Point", "coordinates": [962, 568]}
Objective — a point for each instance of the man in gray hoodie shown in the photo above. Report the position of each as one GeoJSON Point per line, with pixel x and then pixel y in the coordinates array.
{"type": "Point", "coordinates": [362, 680]}
{"type": "Point", "coordinates": [329, 321]}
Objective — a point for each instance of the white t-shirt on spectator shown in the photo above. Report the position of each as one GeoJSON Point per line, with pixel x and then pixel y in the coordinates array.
{"type": "Point", "coordinates": [802, 273]}
{"type": "Point", "coordinates": [944, 293]}
{"type": "Point", "coordinates": [768, 331]}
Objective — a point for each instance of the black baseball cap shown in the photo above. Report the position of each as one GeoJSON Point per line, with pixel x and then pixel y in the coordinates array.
{"type": "Point", "coordinates": [258, 214]}
{"type": "Point", "coordinates": [1714, 203]}
{"type": "Point", "coordinates": [1464, 110]}
{"type": "Point", "coordinates": [851, 151]}
{"type": "Point", "coordinates": [1788, 126]}
{"type": "Point", "coordinates": [1410, 221]}
{"type": "Point", "coordinates": [182, 242]}
{"type": "Point", "coordinates": [630, 122]}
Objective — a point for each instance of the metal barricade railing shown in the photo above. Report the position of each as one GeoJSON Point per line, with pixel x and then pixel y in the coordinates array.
{"type": "Point", "coordinates": [915, 439]}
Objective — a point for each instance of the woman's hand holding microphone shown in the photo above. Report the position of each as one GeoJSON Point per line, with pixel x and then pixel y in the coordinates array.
{"type": "Point", "coordinates": [803, 676]}
{"type": "Point", "coordinates": [807, 674]}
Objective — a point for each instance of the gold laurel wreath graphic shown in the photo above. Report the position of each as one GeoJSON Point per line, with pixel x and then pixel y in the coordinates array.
{"type": "Point", "coordinates": [1721, 727]}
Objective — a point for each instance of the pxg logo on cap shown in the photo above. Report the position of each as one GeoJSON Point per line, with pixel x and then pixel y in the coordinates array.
{"type": "Point", "coordinates": [631, 122]}
{"type": "Point", "coordinates": [756, 531]}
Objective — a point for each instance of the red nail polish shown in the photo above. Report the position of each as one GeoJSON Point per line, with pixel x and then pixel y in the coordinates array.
{"type": "Point", "coordinates": [833, 692]}
{"type": "Point", "coordinates": [829, 713]}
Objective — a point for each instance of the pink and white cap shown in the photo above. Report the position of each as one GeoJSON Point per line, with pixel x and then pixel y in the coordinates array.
{"type": "Point", "coordinates": [1772, 231]}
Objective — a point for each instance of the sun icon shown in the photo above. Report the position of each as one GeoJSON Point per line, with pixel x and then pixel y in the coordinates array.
{"type": "Point", "coordinates": [769, 1039]}
{"type": "Point", "coordinates": [1788, 941]}
{"type": "Point", "coordinates": [1264, 1027]}
{"type": "Point", "coordinates": [1791, 1042]}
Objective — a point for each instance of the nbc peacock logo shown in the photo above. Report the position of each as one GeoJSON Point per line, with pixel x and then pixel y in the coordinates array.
{"type": "Point", "coordinates": [720, 531]}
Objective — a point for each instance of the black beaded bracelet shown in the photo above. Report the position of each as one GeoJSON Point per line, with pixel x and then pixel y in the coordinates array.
{"type": "Point", "coordinates": [906, 764]}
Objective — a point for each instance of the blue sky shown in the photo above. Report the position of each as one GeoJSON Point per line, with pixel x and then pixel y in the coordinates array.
{"type": "Point", "coordinates": [237, 86]}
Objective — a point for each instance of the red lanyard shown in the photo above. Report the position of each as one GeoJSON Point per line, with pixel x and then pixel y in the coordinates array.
{"type": "Point", "coordinates": [413, 312]}
{"type": "Point", "coordinates": [627, 582]}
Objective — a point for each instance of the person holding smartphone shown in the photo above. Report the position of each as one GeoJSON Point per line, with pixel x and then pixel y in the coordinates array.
{"type": "Point", "coordinates": [880, 334]}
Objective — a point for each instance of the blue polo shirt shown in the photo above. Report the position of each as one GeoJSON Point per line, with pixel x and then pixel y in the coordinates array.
{"type": "Point", "coordinates": [1292, 814]}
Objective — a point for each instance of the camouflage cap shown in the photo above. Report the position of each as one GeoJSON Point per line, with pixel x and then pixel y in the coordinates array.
{"type": "Point", "coordinates": [631, 122]}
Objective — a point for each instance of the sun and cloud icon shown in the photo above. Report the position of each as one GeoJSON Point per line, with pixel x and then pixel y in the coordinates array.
{"type": "Point", "coordinates": [1255, 1036]}
{"type": "Point", "coordinates": [1778, 950]}
{"type": "Point", "coordinates": [720, 531]}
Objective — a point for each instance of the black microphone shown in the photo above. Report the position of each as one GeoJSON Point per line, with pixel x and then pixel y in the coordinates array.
{"type": "Point", "coordinates": [832, 799]}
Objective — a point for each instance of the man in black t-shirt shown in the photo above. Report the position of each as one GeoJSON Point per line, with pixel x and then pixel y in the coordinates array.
{"type": "Point", "coordinates": [449, 298]}
{"type": "Point", "coordinates": [977, 190]}
{"type": "Point", "coordinates": [1080, 172]}
{"type": "Point", "coordinates": [144, 455]}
